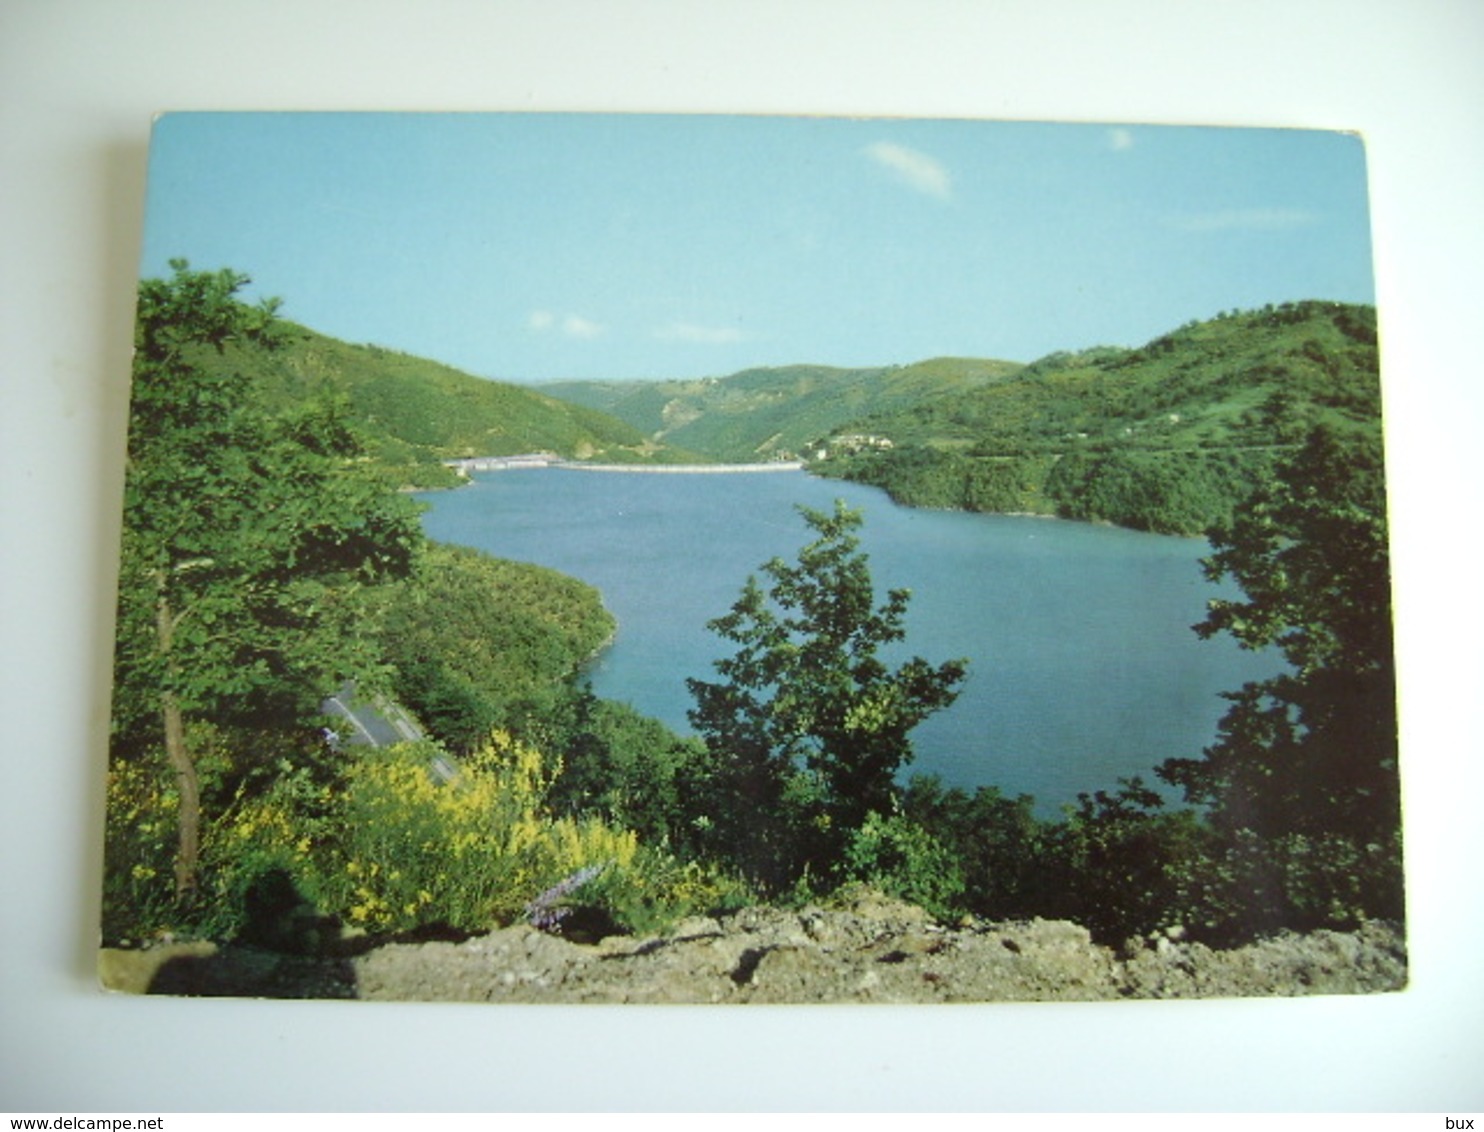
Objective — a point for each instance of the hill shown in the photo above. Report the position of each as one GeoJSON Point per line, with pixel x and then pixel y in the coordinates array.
{"type": "Point", "coordinates": [415, 412]}
{"type": "Point", "coordinates": [1261, 377]}
{"type": "Point", "coordinates": [775, 412]}
{"type": "Point", "coordinates": [1166, 437]}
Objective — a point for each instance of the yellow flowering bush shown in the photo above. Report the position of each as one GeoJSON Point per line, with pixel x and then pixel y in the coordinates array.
{"type": "Point", "coordinates": [656, 889]}
{"type": "Point", "coordinates": [276, 833]}
{"type": "Point", "coordinates": [392, 846]}
{"type": "Point", "coordinates": [138, 851]}
{"type": "Point", "coordinates": [470, 852]}
{"type": "Point", "coordinates": [269, 817]}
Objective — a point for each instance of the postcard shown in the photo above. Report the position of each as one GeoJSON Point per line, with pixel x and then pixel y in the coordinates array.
{"type": "Point", "coordinates": [702, 559]}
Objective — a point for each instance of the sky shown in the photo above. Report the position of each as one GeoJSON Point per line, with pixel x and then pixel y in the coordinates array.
{"type": "Point", "coordinates": [538, 247]}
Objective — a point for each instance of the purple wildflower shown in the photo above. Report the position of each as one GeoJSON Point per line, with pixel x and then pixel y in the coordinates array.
{"type": "Point", "coordinates": [545, 912]}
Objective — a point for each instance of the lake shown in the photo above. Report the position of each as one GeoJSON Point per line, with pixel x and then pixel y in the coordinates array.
{"type": "Point", "coordinates": [1083, 664]}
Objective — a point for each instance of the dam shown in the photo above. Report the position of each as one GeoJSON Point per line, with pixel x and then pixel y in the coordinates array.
{"type": "Point", "coordinates": [472, 464]}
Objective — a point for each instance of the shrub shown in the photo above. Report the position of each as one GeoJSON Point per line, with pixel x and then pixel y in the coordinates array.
{"type": "Point", "coordinates": [998, 842]}
{"type": "Point", "coordinates": [259, 845]}
{"type": "Point", "coordinates": [1123, 867]}
{"type": "Point", "coordinates": [412, 850]}
{"type": "Point", "coordinates": [899, 857]}
{"type": "Point", "coordinates": [623, 766]}
{"type": "Point", "coordinates": [246, 839]}
{"type": "Point", "coordinates": [389, 847]}
{"type": "Point", "coordinates": [1299, 882]}
{"type": "Point", "coordinates": [485, 849]}
{"type": "Point", "coordinates": [656, 890]}
{"type": "Point", "coordinates": [138, 852]}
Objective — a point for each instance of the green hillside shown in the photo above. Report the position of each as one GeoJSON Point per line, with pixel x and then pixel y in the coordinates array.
{"type": "Point", "coordinates": [1256, 377]}
{"type": "Point", "coordinates": [1166, 437]}
{"type": "Point", "coordinates": [769, 413]}
{"type": "Point", "coordinates": [415, 413]}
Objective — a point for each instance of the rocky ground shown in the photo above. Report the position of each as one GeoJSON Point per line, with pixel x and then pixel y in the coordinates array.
{"type": "Point", "coordinates": [873, 950]}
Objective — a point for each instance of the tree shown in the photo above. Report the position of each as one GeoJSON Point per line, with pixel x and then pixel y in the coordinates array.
{"type": "Point", "coordinates": [248, 538]}
{"type": "Point", "coordinates": [1121, 866]}
{"type": "Point", "coordinates": [620, 765]}
{"type": "Point", "coordinates": [480, 642]}
{"type": "Point", "coordinates": [998, 842]}
{"type": "Point", "coordinates": [1312, 752]}
{"type": "Point", "coordinates": [808, 726]}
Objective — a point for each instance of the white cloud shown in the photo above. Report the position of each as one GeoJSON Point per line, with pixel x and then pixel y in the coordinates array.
{"type": "Point", "coordinates": [1244, 219]}
{"type": "Point", "coordinates": [575, 326]}
{"type": "Point", "coordinates": [1120, 139]}
{"type": "Point", "coordinates": [572, 325]}
{"type": "Point", "coordinates": [913, 168]}
{"type": "Point", "coordinates": [704, 335]}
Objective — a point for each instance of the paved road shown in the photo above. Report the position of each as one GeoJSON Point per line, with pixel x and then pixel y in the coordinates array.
{"type": "Point", "coordinates": [372, 722]}
{"type": "Point", "coordinates": [377, 722]}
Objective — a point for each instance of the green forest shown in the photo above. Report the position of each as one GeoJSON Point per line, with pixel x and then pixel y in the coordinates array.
{"type": "Point", "coordinates": [774, 412]}
{"type": "Point", "coordinates": [1168, 437]}
{"type": "Point", "coordinates": [412, 413]}
{"type": "Point", "coordinates": [270, 556]}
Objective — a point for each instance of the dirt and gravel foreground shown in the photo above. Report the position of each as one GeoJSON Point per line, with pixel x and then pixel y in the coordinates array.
{"type": "Point", "coordinates": [874, 950]}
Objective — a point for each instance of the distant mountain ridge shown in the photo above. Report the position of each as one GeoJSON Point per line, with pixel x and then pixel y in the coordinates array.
{"type": "Point", "coordinates": [774, 412]}
{"type": "Point", "coordinates": [1168, 436]}
{"type": "Point", "coordinates": [1259, 376]}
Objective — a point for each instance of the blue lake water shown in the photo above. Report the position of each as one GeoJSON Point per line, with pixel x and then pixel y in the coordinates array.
{"type": "Point", "coordinates": [1083, 665]}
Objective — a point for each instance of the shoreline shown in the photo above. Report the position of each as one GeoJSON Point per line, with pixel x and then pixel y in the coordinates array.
{"type": "Point", "coordinates": [686, 469]}
{"type": "Point", "coordinates": [537, 461]}
{"type": "Point", "coordinates": [541, 461]}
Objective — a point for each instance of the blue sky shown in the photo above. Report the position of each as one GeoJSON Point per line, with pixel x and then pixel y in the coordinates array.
{"type": "Point", "coordinates": [538, 247]}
